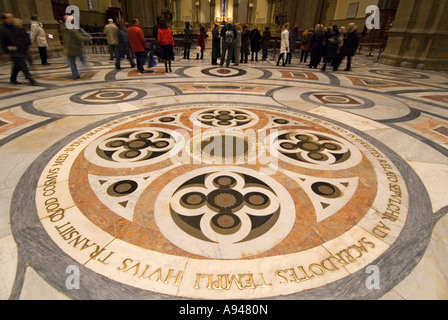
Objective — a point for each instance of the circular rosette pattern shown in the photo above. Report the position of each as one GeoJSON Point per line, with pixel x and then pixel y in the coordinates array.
{"type": "Point", "coordinates": [312, 149]}
{"type": "Point", "coordinates": [224, 214]}
{"type": "Point", "coordinates": [224, 118]}
{"type": "Point", "coordinates": [134, 148]}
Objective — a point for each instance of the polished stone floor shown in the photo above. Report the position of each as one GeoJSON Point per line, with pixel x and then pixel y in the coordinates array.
{"type": "Point", "coordinates": [248, 182]}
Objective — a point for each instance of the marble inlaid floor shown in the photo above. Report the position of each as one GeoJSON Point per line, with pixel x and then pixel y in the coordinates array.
{"type": "Point", "coordinates": [248, 182]}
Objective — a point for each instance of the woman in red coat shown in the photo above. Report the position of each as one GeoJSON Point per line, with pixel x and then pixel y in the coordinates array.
{"type": "Point", "coordinates": [138, 44]}
{"type": "Point", "coordinates": [201, 43]}
{"type": "Point", "coordinates": [165, 37]}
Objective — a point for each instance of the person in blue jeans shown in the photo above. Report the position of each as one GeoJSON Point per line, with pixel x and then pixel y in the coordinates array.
{"type": "Point", "coordinates": [74, 41]}
{"type": "Point", "coordinates": [124, 47]}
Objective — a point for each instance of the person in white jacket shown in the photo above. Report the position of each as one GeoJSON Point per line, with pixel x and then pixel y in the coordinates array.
{"type": "Point", "coordinates": [39, 37]}
{"type": "Point", "coordinates": [284, 47]}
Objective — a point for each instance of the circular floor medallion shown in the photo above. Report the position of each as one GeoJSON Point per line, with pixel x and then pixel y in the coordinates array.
{"type": "Point", "coordinates": [308, 203]}
{"type": "Point", "coordinates": [223, 72]}
{"type": "Point", "coordinates": [108, 96]}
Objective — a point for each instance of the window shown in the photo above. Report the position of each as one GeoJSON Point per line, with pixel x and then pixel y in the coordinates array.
{"type": "Point", "coordinates": [352, 10]}
{"type": "Point", "coordinates": [93, 5]}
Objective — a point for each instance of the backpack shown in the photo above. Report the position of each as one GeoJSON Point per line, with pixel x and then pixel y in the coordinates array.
{"type": "Point", "coordinates": [229, 36]}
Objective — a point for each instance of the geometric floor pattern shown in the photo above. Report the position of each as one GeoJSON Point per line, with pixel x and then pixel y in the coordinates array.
{"type": "Point", "coordinates": [248, 182]}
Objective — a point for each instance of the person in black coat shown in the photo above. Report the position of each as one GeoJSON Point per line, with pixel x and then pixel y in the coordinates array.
{"type": "Point", "coordinates": [216, 45]}
{"type": "Point", "coordinates": [351, 43]}
{"type": "Point", "coordinates": [255, 38]}
{"type": "Point", "coordinates": [265, 42]}
{"type": "Point", "coordinates": [245, 43]}
{"type": "Point", "coordinates": [15, 43]}
{"type": "Point", "coordinates": [331, 52]}
{"type": "Point", "coordinates": [316, 46]}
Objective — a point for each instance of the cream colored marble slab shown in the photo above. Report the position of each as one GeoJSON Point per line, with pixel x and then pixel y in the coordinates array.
{"type": "Point", "coordinates": [362, 248]}
{"type": "Point", "coordinates": [409, 148]}
{"type": "Point", "coordinates": [8, 266]}
{"type": "Point", "coordinates": [36, 288]}
{"type": "Point", "coordinates": [427, 281]}
{"type": "Point", "coordinates": [346, 117]}
{"type": "Point", "coordinates": [435, 179]}
{"type": "Point", "coordinates": [141, 268]}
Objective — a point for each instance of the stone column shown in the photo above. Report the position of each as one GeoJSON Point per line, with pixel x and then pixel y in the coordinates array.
{"type": "Point", "coordinates": [212, 13]}
{"type": "Point", "coordinates": [236, 4]}
{"type": "Point", "coordinates": [271, 4]}
{"type": "Point", "coordinates": [419, 36]}
{"type": "Point", "coordinates": [145, 11]}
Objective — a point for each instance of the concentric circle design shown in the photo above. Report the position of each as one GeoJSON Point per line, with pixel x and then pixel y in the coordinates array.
{"type": "Point", "coordinates": [108, 96]}
{"type": "Point", "coordinates": [400, 74]}
{"type": "Point", "coordinates": [337, 100]}
{"type": "Point", "coordinates": [295, 197]}
{"type": "Point", "coordinates": [222, 72]}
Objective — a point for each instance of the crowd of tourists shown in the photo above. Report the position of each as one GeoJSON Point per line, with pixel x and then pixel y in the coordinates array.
{"type": "Point", "coordinates": [231, 43]}
{"type": "Point", "coordinates": [328, 46]}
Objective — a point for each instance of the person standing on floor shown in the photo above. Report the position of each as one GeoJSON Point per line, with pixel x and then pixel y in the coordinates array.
{"type": "Point", "coordinates": [255, 38]}
{"type": "Point", "coordinates": [284, 46]}
{"type": "Point", "coordinates": [337, 59]}
{"type": "Point", "coordinates": [73, 44]}
{"type": "Point", "coordinates": [15, 43]}
{"type": "Point", "coordinates": [265, 43]}
{"type": "Point", "coordinates": [331, 48]}
{"type": "Point", "coordinates": [138, 44]}
{"type": "Point", "coordinates": [188, 39]}
{"type": "Point", "coordinates": [245, 43]}
{"type": "Point", "coordinates": [238, 43]}
{"type": "Point", "coordinates": [293, 36]}
{"type": "Point", "coordinates": [228, 35]}
{"type": "Point", "coordinates": [39, 38]}
{"type": "Point", "coordinates": [351, 43]}
{"type": "Point", "coordinates": [305, 45]}
{"type": "Point", "coordinates": [201, 44]}
{"type": "Point", "coordinates": [124, 47]}
{"type": "Point", "coordinates": [316, 44]}
{"type": "Point", "coordinates": [165, 37]}
{"type": "Point", "coordinates": [111, 31]}
{"type": "Point", "coordinates": [216, 45]}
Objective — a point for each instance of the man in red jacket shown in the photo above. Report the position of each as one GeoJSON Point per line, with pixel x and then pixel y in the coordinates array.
{"type": "Point", "coordinates": [138, 44]}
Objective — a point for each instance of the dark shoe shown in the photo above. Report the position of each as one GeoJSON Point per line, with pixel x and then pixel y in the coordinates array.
{"type": "Point", "coordinates": [77, 78]}
{"type": "Point", "coordinates": [32, 82]}
{"type": "Point", "coordinates": [15, 82]}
